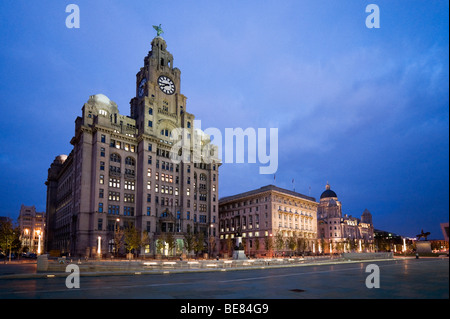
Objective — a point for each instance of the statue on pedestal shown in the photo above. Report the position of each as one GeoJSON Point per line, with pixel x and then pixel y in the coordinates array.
{"type": "Point", "coordinates": [423, 235]}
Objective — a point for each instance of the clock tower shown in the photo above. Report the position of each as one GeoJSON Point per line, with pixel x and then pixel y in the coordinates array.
{"type": "Point", "coordinates": [159, 104]}
{"type": "Point", "coordinates": [123, 170]}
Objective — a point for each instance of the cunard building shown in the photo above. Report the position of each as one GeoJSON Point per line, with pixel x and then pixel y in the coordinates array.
{"type": "Point", "coordinates": [143, 170]}
{"type": "Point", "coordinates": [270, 220]}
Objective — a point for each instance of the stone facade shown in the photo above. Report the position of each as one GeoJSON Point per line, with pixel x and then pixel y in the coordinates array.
{"type": "Point", "coordinates": [265, 214]}
{"type": "Point", "coordinates": [132, 170]}
{"type": "Point", "coordinates": [32, 227]}
{"type": "Point", "coordinates": [342, 233]}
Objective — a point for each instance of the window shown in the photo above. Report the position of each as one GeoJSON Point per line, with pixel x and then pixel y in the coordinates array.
{"type": "Point", "coordinates": [149, 172]}
{"type": "Point", "coordinates": [114, 196]}
{"type": "Point", "coordinates": [102, 166]}
{"type": "Point", "coordinates": [113, 209]}
{"type": "Point", "coordinates": [115, 158]}
{"type": "Point", "coordinates": [150, 111]}
{"type": "Point", "coordinates": [100, 207]}
{"type": "Point", "coordinates": [129, 185]}
{"type": "Point", "coordinates": [149, 147]}
{"type": "Point", "coordinates": [102, 151]}
{"type": "Point", "coordinates": [149, 199]}
{"type": "Point", "coordinates": [114, 182]}
{"type": "Point", "coordinates": [128, 211]}
{"type": "Point", "coordinates": [130, 161]}
{"type": "Point", "coordinates": [187, 191]}
{"type": "Point", "coordinates": [102, 179]}
{"type": "Point", "coordinates": [128, 198]}
{"type": "Point", "coordinates": [100, 224]}
{"type": "Point", "coordinates": [148, 211]}
{"type": "Point", "coordinates": [150, 124]}
{"type": "Point", "coordinates": [188, 215]}
{"type": "Point", "coordinates": [100, 194]}
{"type": "Point", "coordinates": [103, 138]}
{"type": "Point", "coordinates": [149, 185]}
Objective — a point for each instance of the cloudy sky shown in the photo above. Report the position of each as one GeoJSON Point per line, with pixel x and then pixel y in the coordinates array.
{"type": "Point", "coordinates": [366, 110]}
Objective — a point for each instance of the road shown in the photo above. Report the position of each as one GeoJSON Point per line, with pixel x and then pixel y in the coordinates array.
{"type": "Point", "coordinates": [412, 278]}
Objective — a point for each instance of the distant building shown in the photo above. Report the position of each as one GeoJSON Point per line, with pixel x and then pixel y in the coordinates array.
{"type": "Point", "coordinates": [341, 233]}
{"type": "Point", "coordinates": [262, 214]}
{"type": "Point", "coordinates": [444, 228]}
{"type": "Point", "coordinates": [32, 228]}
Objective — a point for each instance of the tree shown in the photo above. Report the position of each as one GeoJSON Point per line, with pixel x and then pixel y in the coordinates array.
{"type": "Point", "coordinates": [145, 239]}
{"type": "Point", "coordinates": [279, 241]}
{"type": "Point", "coordinates": [189, 242]}
{"type": "Point", "coordinates": [229, 243]}
{"type": "Point", "coordinates": [199, 243]}
{"type": "Point", "coordinates": [268, 243]}
{"type": "Point", "coordinates": [257, 244]}
{"type": "Point", "coordinates": [212, 243]}
{"type": "Point", "coordinates": [160, 244]}
{"type": "Point", "coordinates": [292, 242]}
{"type": "Point", "coordinates": [132, 238]}
{"type": "Point", "coordinates": [118, 239]}
{"type": "Point", "coordinates": [170, 240]}
{"type": "Point", "coordinates": [9, 237]}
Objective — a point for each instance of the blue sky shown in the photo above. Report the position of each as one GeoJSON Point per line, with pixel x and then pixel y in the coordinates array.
{"type": "Point", "coordinates": [365, 109]}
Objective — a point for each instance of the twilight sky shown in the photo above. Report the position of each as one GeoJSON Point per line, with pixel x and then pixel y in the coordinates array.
{"type": "Point", "coordinates": [365, 109]}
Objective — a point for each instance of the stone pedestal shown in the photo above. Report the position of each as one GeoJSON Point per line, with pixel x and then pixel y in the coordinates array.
{"type": "Point", "coordinates": [42, 263]}
{"type": "Point", "coordinates": [239, 255]}
{"type": "Point", "coordinates": [423, 247]}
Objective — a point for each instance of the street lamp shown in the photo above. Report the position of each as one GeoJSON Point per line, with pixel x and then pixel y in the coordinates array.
{"type": "Point", "coordinates": [27, 238]}
{"type": "Point", "coordinates": [38, 232]}
{"type": "Point", "coordinates": [115, 234]}
{"type": "Point", "coordinates": [99, 248]}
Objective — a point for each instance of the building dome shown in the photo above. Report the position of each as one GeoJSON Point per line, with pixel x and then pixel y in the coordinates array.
{"type": "Point", "coordinates": [328, 193]}
{"type": "Point", "coordinates": [103, 104]}
{"type": "Point", "coordinates": [101, 99]}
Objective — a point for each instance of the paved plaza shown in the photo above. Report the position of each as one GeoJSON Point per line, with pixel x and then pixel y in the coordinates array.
{"type": "Point", "coordinates": [424, 278]}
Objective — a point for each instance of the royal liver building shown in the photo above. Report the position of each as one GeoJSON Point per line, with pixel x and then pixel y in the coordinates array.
{"type": "Point", "coordinates": [143, 171]}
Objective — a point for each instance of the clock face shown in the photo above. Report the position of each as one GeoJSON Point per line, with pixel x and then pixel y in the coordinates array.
{"type": "Point", "coordinates": [141, 87]}
{"type": "Point", "coordinates": [166, 84]}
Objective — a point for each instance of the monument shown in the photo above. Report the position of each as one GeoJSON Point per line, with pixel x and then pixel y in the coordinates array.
{"type": "Point", "coordinates": [423, 246]}
{"type": "Point", "coordinates": [239, 253]}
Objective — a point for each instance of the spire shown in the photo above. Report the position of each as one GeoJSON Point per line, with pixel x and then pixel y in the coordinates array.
{"type": "Point", "coordinates": [327, 187]}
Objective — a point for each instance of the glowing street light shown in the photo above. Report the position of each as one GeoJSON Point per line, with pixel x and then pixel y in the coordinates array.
{"type": "Point", "coordinates": [99, 248]}
{"type": "Point", "coordinates": [38, 232]}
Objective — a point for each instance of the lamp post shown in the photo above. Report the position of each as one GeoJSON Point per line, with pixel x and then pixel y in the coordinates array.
{"type": "Point", "coordinates": [27, 238]}
{"type": "Point", "coordinates": [38, 232]}
{"type": "Point", "coordinates": [99, 248]}
{"type": "Point", "coordinates": [115, 234]}
{"type": "Point", "coordinates": [210, 239]}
